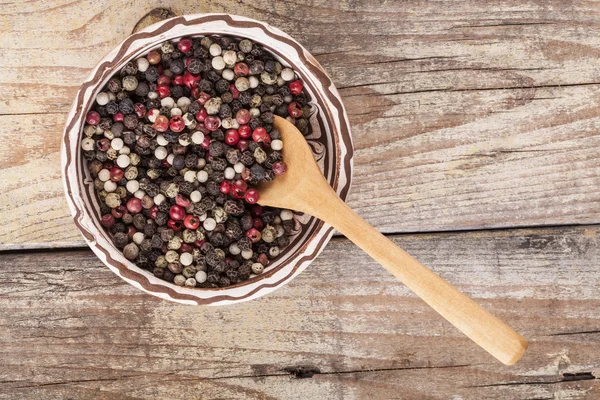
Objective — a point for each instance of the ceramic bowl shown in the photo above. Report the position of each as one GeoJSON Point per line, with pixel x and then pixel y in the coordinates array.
{"type": "Point", "coordinates": [330, 140]}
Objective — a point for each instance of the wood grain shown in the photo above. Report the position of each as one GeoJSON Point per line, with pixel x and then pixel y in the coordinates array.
{"type": "Point", "coordinates": [464, 116]}
{"type": "Point", "coordinates": [72, 329]}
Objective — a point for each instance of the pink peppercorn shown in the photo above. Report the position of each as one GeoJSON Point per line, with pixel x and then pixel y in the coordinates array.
{"type": "Point", "coordinates": [212, 123]}
{"type": "Point", "coordinates": [203, 98]}
{"type": "Point", "coordinates": [163, 91]}
{"type": "Point", "coordinates": [257, 222]}
{"type": "Point", "coordinates": [118, 117]}
{"type": "Point", "coordinates": [242, 116]}
{"type": "Point", "coordinates": [118, 212]}
{"type": "Point", "coordinates": [161, 123]}
{"type": "Point", "coordinates": [257, 210]}
{"type": "Point", "coordinates": [241, 69]}
{"type": "Point", "coordinates": [245, 131]}
{"type": "Point", "coordinates": [201, 115]}
{"type": "Point", "coordinates": [260, 135]}
{"type": "Point", "coordinates": [140, 110]}
{"type": "Point", "coordinates": [296, 87]}
{"type": "Point", "coordinates": [134, 205]}
{"type": "Point", "coordinates": [232, 137]}
{"type": "Point", "coordinates": [225, 187]}
{"type": "Point", "coordinates": [182, 201]}
{"type": "Point", "coordinates": [185, 45]}
{"type": "Point", "coordinates": [154, 212]}
{"type": "Point", "coordinates": [92, 118]}
{"type": "Point", "coordinates": [177, 124]}
{"type": "Point", "coordinates": [251, 197]}
{"type": "Point", "coordinates": [239, 188]}
{"type": "Point", "coordinates": [279, 168]}
{"type": "Point", "coordinates": [116, 174]}
{"type": "Point", "coordinates": [163, 80]}
{"type": "Point", "coordinates": [190, 80]}
{"type": "Point", "coordinates": [242, 145]}
{"type": "Point", "coordinates": [107, 220]}
{"type": "Point", "coordinates": [103, 144]}
{"type": "Point", "coordinates": [234, 92]}
{"type": "Point", "coordinates": [295, 110]}
{"type": "Point", "coordinates": [177, 213]}
{"type": "Point", "coordinates": [253, 234]}
{"type": "Point", "coordinates": [178, 80]}
{"type": "Point", "coordinates": [175, 225]}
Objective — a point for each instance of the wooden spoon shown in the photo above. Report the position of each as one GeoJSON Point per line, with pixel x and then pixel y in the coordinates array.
{"type": "Point", "coordinates": [304, 188]}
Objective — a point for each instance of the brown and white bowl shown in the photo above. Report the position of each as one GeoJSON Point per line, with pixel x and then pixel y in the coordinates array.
{"type": "Point", "coordinates": [330, 140]}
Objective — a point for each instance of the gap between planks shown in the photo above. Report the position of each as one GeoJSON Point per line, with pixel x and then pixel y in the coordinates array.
{"type": "Point", "coordinates": [78, 246]}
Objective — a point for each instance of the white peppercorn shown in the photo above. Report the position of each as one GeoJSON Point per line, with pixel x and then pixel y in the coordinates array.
{"type": "Point", "coordinates": [179, 280]}
{"type": "Point", "coordinates": [142, 64]}
{"type": "Point", "coordinates": [171, 256]}
{"type": "Point", "coordinates": [277, 145]}
{"type": "Point", "coordinates": [88, 144]}
{"type": "Point", "coordinates": [218, 63]}
{"type": "Point", "coordinates": [167, 102]}
{"type": "Point", "coordinates": [195, 196]}
{"type": "Point", "coordinates": [209, 224]}
{"type": "Point", "coordinates": [214, 50]}
{"type": "Point", "coordinates": [234, 249]}
{"type": "Point", "coordinates": [138, 237]}
{"type": "Point", "coordinates": [201, 276]}
{"type": "Point", "coordinates": [190, 282]}
{"type": "Point", "coordinates": [104, 175]}
{"type": "Point", "coordinates": [110, 186]}
{"type": "Point", "coordinates": [247, 254]}
{"type": "Point", "coordinates": [161, 153]}
{"type": "Point", "coordinates": [186, 259]}
{"type": "Point", "coordinates": [229, 173]}
{"type": "Point", "coordinates": [286, 215]}
{"type": "Point", "coordinates": [198, 137]}
{"type": "Point", "coordinates": [287, 74]}
{"type": "Point", "coordinates": [123, 160]}
{"type": "Point", "coordinates": [132, 186]}
{"type": "Point", "coordinates": [131, 251]}
{"type": "Point", "coordinates": [202, 176]}
{"type": "Point", "coordinates": [102, 98]}
{"type": "Point", "coordinates": [257, 268]}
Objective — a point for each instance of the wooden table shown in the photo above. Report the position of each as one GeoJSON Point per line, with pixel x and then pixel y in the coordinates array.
{"type": "Point", "coordinates": [476, 127]}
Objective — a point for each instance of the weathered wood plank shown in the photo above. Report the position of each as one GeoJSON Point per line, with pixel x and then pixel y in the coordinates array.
{"type": "Point", "coordinates": [464, 117]}
{"type": "Point", "coordinates": [70, 328]}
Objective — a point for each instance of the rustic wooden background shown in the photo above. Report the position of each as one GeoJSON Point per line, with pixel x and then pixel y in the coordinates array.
{"type": "Point", "coordinates": [477, 132]}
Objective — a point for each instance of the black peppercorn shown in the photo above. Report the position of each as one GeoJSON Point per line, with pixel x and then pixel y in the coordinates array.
{"type": "Point", "coordinates": [216, 149]}
{"type": "Point", "coordinates": [225, 111]}
{"type": "Point", "coordinates": [227, 97]}
{"type": "Point", "coordinates": [221, 86]}
{"type": "Point", "coordinates": [120, 239]}
{"type": "Point", "coordinates": [126, 106]}
{"type": "Point", "coordinates": [186, 188]}
{"type": "Point", "coordinates": [179, 162]}
{"type": "Point", "coordinates": [218, 164]}
{"type": "Point", "coordinates": [177, 66]}
{"type": "Point", "coordinates": [245, 97]}
{"type": "Point", "coordinates": [212, 188]}
{"type": "Point", "coordinates": [247, 158]}
{"type": "Point", "coordinates": [161, 218]}
{"type": "Point", "coordinates": [177, 91]}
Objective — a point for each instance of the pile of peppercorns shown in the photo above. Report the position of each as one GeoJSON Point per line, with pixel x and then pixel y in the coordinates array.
{"type": "Point", "coordinates": [177, 142]}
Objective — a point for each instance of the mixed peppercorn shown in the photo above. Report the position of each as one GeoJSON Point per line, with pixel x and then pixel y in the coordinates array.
{"type": "Point", "coordinates": [177, 142]}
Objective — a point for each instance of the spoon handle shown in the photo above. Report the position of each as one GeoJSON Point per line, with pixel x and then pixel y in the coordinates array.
{"type": "Point", "coordinates": [493, 335]}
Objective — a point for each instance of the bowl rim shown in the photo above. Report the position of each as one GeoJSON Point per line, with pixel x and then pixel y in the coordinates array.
{"type": "Point", "coordinates": [334, 115]}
